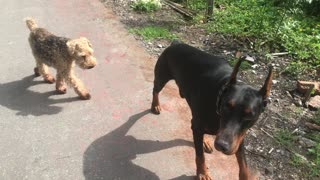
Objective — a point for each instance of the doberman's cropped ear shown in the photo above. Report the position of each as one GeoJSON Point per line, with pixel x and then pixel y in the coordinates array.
{"type": "Point", "coordinates": [233, 77]}
{"type": "Point", "coordinates": [265, 90]}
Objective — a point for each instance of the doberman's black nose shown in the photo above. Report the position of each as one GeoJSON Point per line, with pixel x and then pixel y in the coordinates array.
{"type": "Point", "coordinates": [222, 145]}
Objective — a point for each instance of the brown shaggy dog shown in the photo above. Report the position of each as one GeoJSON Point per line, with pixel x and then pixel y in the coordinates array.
{"type": "Point", "coordinates": [62, 54]}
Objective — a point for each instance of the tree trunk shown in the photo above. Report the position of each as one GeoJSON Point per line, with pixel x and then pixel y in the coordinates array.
{"type": "Point", "coordinates": [209, 10]}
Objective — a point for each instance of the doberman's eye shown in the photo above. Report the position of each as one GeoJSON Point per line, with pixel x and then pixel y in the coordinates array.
{"type": "Point", "coordinates": [231, 104]}
{"type": "Point", "coordinates": [248, 113]}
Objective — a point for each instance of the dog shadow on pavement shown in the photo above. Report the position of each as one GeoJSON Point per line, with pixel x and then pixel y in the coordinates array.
{"type": "Point", "coordinates": [16, 96]}
{"type": "Point", "coordinates": [110, 156]}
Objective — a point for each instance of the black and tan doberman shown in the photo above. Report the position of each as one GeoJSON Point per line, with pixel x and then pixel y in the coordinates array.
{"type": "Point", "coordinates": [220, 104]}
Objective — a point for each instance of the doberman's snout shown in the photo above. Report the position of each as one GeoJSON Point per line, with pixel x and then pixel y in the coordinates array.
{"type": "Point", "coordinates": [222, 145]}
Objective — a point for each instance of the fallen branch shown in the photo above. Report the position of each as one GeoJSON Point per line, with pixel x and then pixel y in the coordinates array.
{"type": "Point", "coordinates": [258, 154]}
{"type": "Point", "coordinates": [267, 133]}
{"type": "Point", "coordinates": [312, 126]}
{"type": "Point", "coordinates": [179, 8]}
{"type": "Point", "coordinates": [279, 54]}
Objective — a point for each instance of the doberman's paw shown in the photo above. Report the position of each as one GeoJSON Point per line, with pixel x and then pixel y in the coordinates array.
{"type": "Point", "coordinates": [248, 176]}
{"type": "Point", "coordinates": [85, 96]}
{"type": "Point", "coordinates": [156, 109]}
{"type": "Point", "coordinates": [203, 177]}
{"type": "Point", "coordinates": [207, 147]}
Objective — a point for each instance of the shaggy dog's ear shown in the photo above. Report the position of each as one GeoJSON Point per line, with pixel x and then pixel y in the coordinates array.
{"type": "Point", "coordinates": [85, 40]}
{"type": "Point", "coordinates": [72, 46]}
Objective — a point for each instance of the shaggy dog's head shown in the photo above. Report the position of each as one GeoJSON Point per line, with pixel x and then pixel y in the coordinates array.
{"type": "Point", "coordinates": [81, 50]}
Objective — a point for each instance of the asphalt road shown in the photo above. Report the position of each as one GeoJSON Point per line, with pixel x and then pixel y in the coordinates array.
{"type": "Point", "coordinates": [113, 135]}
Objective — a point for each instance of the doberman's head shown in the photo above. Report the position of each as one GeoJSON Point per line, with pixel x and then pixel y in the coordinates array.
{"type": "Point", "coordinates": [239, 107]}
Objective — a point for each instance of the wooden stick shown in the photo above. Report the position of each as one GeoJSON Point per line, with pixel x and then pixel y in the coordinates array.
{"type": "Point", "coordinates": [179, 8]}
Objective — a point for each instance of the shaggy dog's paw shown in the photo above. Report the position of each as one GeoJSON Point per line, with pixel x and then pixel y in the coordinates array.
{"type": "Point", "coordinates": [36, 72]}
{"type": "Point", "coordinates": [85, 96]}
{"type": "Point", "coordinates": [49, 80]}
{"type": "Point", "coordinates": [62, 90]}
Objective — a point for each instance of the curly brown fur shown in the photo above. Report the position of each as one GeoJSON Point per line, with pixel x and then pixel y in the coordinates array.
{"type": "Point", "coordinates": [62, 54]}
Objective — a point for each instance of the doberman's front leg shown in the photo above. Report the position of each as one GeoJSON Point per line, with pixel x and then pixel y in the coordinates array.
{"type": "Point", "coordinates": [244, 173]}
{"type": "Point", "coordinates": [202, 172]}
{"type": "Point", "coordinates": [207, 145]}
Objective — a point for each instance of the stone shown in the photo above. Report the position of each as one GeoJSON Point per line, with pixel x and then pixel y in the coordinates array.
{"type": "Point", "coordinates": [269, 170]}
{"type": "Point", "coordinates": [305, 142]}
{"type": "Point", "coordinates": [298, 102]}
{"type": "Point", "coordinates": [314, 103]}
{"type": "Point", "coordinates": [304, 86]}
{"type": "Point", "coordinates": [275, 81]}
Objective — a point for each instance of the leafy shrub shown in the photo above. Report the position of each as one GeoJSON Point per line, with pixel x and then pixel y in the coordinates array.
{"type": "Point", "coordinates": [197, 5]}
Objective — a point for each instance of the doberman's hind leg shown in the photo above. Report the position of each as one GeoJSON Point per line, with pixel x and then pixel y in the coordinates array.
{"type": "Point", "coordinates": [155, 105]}
{"type": "Point", "coordinates": [161, 77]}
{"type": "Point", "coordinates": [158, 86]}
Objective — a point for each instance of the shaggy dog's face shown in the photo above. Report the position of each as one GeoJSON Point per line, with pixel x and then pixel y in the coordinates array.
{"type": "Point", "coordinates": [81, 50]}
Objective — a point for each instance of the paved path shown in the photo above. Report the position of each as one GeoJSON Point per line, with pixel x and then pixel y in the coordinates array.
{"type": "Point", "coordinates": [113, 135]}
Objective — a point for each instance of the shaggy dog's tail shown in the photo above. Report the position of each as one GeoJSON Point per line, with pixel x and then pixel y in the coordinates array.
{"type": "Point", "coordinates": [31, 23]}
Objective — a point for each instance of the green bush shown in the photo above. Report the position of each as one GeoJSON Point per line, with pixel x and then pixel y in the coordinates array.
{"type": "Point", "coordinates": [197, 5]}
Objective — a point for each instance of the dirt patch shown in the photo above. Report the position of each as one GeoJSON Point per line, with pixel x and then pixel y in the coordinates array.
{"type": "Point", "coordinates": [284, 114]}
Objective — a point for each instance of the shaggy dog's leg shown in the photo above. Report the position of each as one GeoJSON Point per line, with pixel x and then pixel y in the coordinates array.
{"type": "Point", "coordinates": [78, 86]}
{"type": "Point", "coordinates": [43, 70]}
{"type": "Point", "coordinates": [60, 83]}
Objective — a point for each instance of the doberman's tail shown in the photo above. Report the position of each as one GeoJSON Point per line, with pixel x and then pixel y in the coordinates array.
{"type": "Point", "coordinates": [31, 23]}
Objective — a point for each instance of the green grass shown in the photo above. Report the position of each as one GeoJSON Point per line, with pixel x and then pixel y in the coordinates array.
{"type": "Point", "coordinates": [285, 138]}
{"type": "Point", "coordinates": [153, 32]}
{"type": "Point", "coordinates": [314, 153]}
{"type": "Point", "coordinates": [145, 6]}
{"type": "Point", "coordinates": [271, 28]}
{"type": "Point", "coordinates": [312, 166]}
{"type": "Point", "coordinates": [297, 161]}
{"type": "Point", "coordinates": [316, 118]}
{"type": "Point", "coordinates": [197, 5]}
{"type": "Point", "coordinates": [245, 65]}
{"type": "Point", "coordinates": [315, 167]}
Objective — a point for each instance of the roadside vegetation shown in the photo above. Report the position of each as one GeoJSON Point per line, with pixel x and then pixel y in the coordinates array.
{"type": "Point", "coordinates": [146, 5]}
{"type": "Point", "coordinates": [265, 27]}
{"type": "Point", "coordinates": [273, 26]}
{"type": "Point", "coordinates": [153, 32]}
{"type": "Point", "coordinates": [269, 26]}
